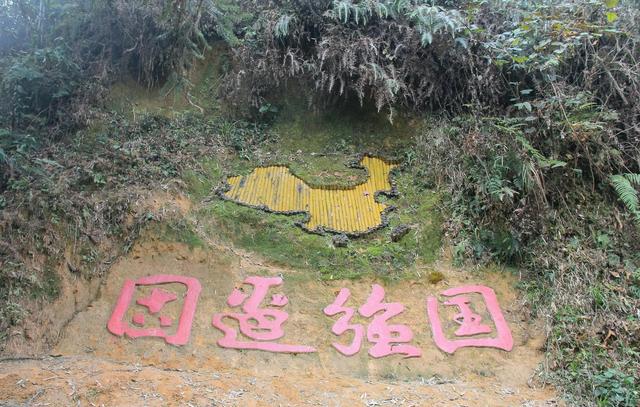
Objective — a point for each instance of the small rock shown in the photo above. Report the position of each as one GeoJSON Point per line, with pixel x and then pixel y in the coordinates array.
{"type": "Point", "coordinates": [399, 232]}
{"type": "Point", "coordinates": [72, 268]}
{"type": "Point", "coordinates": [340, 240]}
{"type": "Point", "coordinates": [435, 277]}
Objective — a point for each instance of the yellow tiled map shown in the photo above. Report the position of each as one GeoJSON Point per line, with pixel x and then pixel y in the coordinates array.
{"type": "Point", "coordinates": [350, 210]}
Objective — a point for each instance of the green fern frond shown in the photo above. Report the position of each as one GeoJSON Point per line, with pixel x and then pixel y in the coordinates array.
{"type": "Point", "coordinates": [3, 156]}
{"type": "Point", "coordinates": [378, 72]}
{"type": "Point", "coordinates": [281, 29]}
{"type": "Point", "coordinates": [344, 9]}
{"type": "Point", "coordinates": [542, 161]}
{"type": "Point", "coordinates": [627, 193]}
{"type": "Point", "coordinates": [633, 178]}
{"type": "Point", "coordinates": [382, 10]}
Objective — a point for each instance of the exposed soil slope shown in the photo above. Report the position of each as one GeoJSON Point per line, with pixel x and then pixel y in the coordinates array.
{"type": "Point", "coordinates": [93, 367]}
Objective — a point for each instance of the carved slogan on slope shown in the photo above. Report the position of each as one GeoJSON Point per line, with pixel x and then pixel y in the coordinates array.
{"type": "Point", "coordinates": [349, 210]}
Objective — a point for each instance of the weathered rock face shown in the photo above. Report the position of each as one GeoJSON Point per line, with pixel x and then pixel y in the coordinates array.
{"type": "Point", "coordinates": [398, 232]}
{"type": "Point", "coordinates": [340, 240]}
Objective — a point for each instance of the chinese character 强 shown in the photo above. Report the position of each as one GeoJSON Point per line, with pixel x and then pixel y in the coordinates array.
{"type": "Point", "coordinates": [470, 323]}
{"type": "Point", "coordinates": [260, 324]}
{"type": "Point", "coordinates": [154, 303]}
{"type": "Point", "coordinates": [343, 324]}
{"type": "Point", "coordinates": [387, 339]}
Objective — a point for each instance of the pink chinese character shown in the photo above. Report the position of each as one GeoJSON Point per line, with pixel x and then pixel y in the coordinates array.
{"type": "Point", "coordinates": [387, 339]}
{"type": "Point", "coordinates": [343, 325]}
{"type": "Point", "coordinates": [470, 322]}
{"type": "Point", "coordinates": [260, 324]}
{"type": "Point", "coordinates": [154, 303]}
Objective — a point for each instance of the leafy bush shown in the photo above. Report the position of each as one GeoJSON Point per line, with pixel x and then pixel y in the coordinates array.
{"type": "Point", "coordinates": [614, 388]}
{"type": "Point", "coordinates": [424, 55]}
{"type": "Point", "coordinates": [535, 182]}
{"type": "Point", "coordinates": [35, 86]}
{"type": "Point", "coordinates": [156, 42]}
{"type": "Point", "coordinates": [390, 51]}
{"type": "Point", "coordinates": [57, 57]}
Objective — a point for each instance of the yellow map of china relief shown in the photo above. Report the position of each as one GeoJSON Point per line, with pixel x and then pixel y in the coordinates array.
{"type": "Point", "coordinates": [349, 210]}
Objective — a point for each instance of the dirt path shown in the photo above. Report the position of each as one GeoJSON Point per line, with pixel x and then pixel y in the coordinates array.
{"type": "Point", "coordinates": [86, 380]}
{"type": "Point", "coordinates": [94, 367]}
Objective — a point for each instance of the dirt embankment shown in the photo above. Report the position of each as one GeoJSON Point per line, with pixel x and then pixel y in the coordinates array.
{"type": "Point", "coordinates": [91, 366]}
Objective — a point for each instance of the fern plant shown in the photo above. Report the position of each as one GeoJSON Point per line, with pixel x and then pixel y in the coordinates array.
{"type": "Point", "coordinates": [281, 29]}
{"type": "Point", "coordinates": [361, 12]}
{"type": "Point", "coordinates": [627, 193]}
{"type": "Point", "coordinates": [428, 19]}
{"type": "Point", "coordinates": [431, 20]}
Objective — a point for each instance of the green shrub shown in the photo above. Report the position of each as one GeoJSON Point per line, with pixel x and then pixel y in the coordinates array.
{"type": "Point", "coordinates": [615, 388]}
{"type": "Point", "coordinates": [36, 85]}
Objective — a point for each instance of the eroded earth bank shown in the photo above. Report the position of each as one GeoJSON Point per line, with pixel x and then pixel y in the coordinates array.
{"type": "Point", "coordinates": [91, 366]}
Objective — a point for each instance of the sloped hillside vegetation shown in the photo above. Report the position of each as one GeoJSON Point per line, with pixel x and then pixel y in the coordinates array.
{"type": "Point", "coordinates": [526, 117]}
